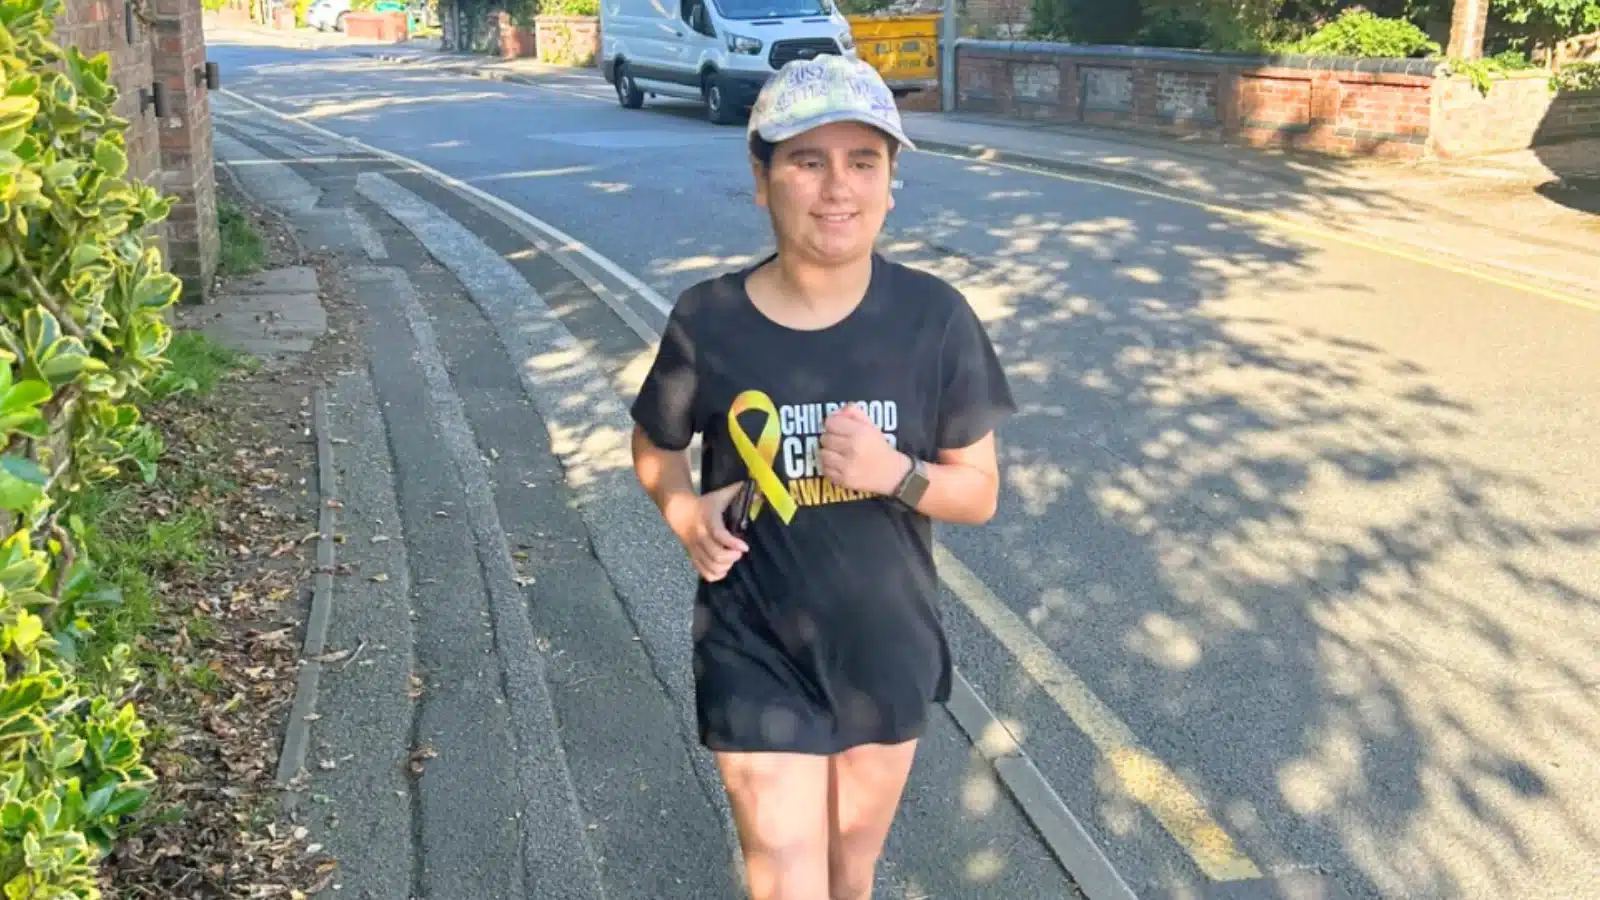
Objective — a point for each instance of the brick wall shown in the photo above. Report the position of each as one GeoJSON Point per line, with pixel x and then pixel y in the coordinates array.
{"type": "Point", "coordinates": [1335, 106]}
{"type": "Point", "coordinates": [384, 27]}
{"type": "Point", "coordinates": [568, 40]}
{"type": "Point", "coordinates": [186, 156]}
{"type": "Point", "coordinates": [1519, 111]}
{"type": "Point", "coordinates": [1384, 107]}
{"type": "Point", "coordinates": [173, 154]}
{"type": "Point", "coordinates": [515, 41]}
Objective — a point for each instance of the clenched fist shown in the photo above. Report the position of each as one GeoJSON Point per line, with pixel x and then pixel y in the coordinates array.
{"type": "Point", "coordinates": [698, 524]}
{"type": "Point", "coordinates": [856, 455]}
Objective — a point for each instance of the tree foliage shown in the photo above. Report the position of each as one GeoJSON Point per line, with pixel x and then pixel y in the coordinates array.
{"type": "Point", "coordinates": [1556, 18]}
{"type": "Point", "coordinates": [1365, 27]}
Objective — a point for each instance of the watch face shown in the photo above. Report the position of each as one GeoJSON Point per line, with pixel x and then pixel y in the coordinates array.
{"type": "Point", "coordinates": [915, 485]}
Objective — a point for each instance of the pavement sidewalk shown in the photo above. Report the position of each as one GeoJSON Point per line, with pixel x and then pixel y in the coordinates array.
{"type": "Point", "coordinates": [1528, 217]}
{"type": "Point", "coordinates": [476, 715]}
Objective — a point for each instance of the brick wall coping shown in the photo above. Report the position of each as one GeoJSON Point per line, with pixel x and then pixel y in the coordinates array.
{"type": "Point", "coordinates": [1427, 68]}
{"type": "Point", "coordinates": [573, 20]}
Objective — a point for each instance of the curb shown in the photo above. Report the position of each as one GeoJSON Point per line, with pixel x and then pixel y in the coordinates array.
{"type": "Point", "coordinates": [457, 68]}
{"type": "Point", "coordinates": [1063, 832]}
{"type": "Point", "coordinates": [297, 732]}
{"type": "Point", "coordinates": [984, 153]}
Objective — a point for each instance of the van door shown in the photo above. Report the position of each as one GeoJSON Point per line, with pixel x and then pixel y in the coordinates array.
{"type": "Point", "coordinates": [698, 34]}
{"type": "Point", "coordinates": [655, 45]}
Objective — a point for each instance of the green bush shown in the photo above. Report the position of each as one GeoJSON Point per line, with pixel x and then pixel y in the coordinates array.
{"type": "Point", "coordinates": [1510, 61]}
{"type": "Point", "coordinates": [1481, 72]}
{"type": "Point", "coordinates": [1168, 27]}
{"type": "Point", "coordinates": [569, 7]}
{"type": "Point", "coordinates": [1577, 77]}
{"type": "Point", "coordinates": [1085, 21]}
{"type": "Point", "coordinates": [863, 7]}
{"type": "Point", "coordinates": [82, 295]}
{"type": "Point", "coordinates": [1359, 33]}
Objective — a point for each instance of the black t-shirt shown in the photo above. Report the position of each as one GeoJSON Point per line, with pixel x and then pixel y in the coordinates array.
{"type": "Point", "coordinates": [826, 634]}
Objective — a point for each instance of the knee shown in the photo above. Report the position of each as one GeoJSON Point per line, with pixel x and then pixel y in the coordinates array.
{"type": "Point", "coordinates": [859, 889]}
{"type": "Point", "coordinates": [852, 866]}
{"type": "Point", "coordinates": [785, 869]}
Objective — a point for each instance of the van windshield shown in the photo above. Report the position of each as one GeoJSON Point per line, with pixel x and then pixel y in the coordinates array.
{"type": "Point", "coordinates": [772, 9]}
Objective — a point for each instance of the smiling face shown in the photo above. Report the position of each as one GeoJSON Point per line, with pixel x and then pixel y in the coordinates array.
{"type": "Point", "coordinates": [827, 191]}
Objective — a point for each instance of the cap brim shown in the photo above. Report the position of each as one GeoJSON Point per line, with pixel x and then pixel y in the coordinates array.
{"type": "Point", "coordinates": [777, 134]}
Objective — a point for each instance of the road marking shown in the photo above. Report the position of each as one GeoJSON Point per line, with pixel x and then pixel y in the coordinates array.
{"type": "Point", "coordinates": [1378, 243]}
{"type": "Point", "coordinates": [563, 240]}
{"type": "Point", "coordinates": [1145, 777]}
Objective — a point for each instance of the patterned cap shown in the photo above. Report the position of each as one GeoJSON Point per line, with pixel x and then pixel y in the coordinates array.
{"type": "Point", "coordinates": [810, 93]}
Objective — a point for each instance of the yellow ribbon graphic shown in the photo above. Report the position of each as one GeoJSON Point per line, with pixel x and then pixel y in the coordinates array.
{"type": "Point", "coordinates": [759, 455]}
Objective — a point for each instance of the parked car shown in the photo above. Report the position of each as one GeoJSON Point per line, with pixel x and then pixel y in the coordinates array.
{"type": "Point", "coordinates": [325, 14]}
{"type": "Point", "coordinates": [719, 52]}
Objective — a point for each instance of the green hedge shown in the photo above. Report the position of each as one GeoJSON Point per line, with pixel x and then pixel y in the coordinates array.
{"type": "Point", "coordinates": [1361, 34]}
{"type": "Point", "coordinates": [82, 334]}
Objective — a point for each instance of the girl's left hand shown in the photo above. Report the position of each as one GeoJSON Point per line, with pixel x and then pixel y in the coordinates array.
{"type": "Point", "coordinates": [857, 456]}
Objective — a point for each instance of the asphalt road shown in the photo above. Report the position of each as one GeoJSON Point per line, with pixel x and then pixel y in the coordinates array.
{"type": "Point", "coordinates": [1305, 524]}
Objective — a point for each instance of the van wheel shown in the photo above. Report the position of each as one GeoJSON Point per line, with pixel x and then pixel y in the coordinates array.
{"type": "Point", "coordinates": [338, 23]}
{"type": "Point", "coordinates": [628, 93]}
{"type": "Point", "coordinates": [718, 109]}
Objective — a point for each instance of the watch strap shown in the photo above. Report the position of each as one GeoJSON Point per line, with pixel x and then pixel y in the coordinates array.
{"type": "Point", "coordinates": [914, 484]}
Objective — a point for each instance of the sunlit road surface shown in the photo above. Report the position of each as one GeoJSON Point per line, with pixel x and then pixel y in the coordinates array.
{"type": "Point", "coordinates": [1297, 568]}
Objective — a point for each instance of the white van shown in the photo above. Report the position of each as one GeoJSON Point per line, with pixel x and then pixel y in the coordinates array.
{"type": "Point", "coordinates": [719, 52]}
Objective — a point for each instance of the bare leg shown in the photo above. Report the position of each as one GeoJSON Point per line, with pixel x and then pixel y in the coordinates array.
{"type": "Point", "coordinates": [780, 807]}
{"type": "Point", "coordinates": [866, 785]}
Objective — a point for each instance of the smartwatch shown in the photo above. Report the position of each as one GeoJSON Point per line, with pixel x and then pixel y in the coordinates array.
{"type": "Point", "coordinates": [914, 485]}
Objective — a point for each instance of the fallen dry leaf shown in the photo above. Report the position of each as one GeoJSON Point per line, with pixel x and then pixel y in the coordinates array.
{"type": "Point", "coordinates": [419, 757]}
{"type": "Point", "coordinates": [214, 741]}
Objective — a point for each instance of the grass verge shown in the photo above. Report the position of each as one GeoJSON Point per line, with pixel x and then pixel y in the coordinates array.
{"type": "Point", "coordinates": [243, 249]}
{"type": "Point", "coordinates": [209, 560]}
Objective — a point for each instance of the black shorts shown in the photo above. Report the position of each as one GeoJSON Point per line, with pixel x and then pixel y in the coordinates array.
{"type": "Point", "coordinates": [752, 695]}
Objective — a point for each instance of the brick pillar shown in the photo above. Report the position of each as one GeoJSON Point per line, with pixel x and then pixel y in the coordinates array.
{"type": "Point", "coordinates": [186, 161]}
{"type": "Point", "coordinates": [99, 26]}
{"type": "Point", "coordinates": [1469, 22]}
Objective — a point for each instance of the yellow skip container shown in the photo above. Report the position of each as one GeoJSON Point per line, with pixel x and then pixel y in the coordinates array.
{"type": "Point", "coordinates": [904, 49]}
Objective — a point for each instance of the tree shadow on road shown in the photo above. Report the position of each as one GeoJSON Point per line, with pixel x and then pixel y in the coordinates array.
{"type": "Point", "coordinates": [1283, 553]}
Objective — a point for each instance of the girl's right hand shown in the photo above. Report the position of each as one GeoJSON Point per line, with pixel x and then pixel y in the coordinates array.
{"type": "Point", "coordinates": [711, 547]}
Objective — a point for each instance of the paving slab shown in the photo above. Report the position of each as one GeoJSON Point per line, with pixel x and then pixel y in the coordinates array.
{"type": "Point", "coordinates": [272, 314]}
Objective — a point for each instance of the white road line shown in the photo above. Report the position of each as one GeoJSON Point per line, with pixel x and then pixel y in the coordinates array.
{"type": "Point", "coordinates": [563, 240]}
{"type": "Point", "coordinates": [1145, 777]}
